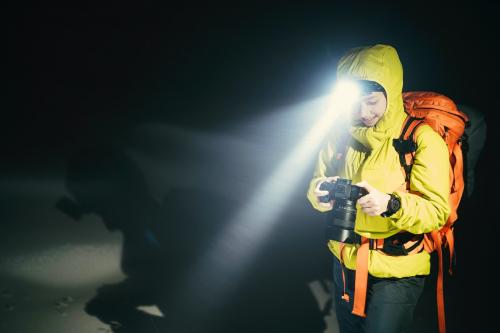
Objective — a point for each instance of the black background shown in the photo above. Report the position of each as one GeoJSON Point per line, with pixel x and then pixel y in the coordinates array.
{"type": "Point", "coordinates": [76, 67]}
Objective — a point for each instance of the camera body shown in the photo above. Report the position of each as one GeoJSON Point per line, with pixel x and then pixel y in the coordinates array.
{"type": "Point", "coordinates": [341, 219]}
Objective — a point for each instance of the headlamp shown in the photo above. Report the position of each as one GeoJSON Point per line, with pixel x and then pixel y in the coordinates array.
{"type": "Point", "coordinates": [346, 93]}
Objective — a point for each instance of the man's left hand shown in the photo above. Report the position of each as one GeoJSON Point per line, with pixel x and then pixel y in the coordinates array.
{"type": "Point", "coordinates": [375, 202]}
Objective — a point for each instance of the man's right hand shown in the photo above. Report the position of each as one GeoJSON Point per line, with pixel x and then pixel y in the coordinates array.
{"type": "Point", "coordinates": [320, 193]}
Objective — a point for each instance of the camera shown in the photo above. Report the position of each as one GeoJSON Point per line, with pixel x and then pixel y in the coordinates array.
{"type": "Point", "coordinates": [341, 219]}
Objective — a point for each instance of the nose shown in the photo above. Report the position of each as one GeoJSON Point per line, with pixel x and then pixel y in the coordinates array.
{"type": "Point", "coordinates": [365, 113]}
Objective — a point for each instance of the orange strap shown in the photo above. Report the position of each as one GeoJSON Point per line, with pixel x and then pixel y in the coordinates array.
{"type": "Point", "coordinates": [361, 281]}
{"type": "Point", "coordinates": [345, 296]}
{"type": "Point", "coordinates": [439, 289]}
{"type": "Point", "coordinates": [450, 242]}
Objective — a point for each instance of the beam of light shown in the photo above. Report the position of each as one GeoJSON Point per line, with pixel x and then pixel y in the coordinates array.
{"type": "Point", "coordinates": [219, 270]}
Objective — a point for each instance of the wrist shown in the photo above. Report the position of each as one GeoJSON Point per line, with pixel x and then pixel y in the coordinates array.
{"type": "Point", "coordinates": [393, 205]}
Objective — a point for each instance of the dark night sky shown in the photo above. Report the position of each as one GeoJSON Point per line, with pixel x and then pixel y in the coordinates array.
{"type": "Point", "coordinates": [90, 71]}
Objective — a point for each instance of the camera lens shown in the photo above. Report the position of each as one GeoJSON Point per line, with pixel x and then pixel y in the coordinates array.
{"type": "Point", "coordinates": [341, 219]}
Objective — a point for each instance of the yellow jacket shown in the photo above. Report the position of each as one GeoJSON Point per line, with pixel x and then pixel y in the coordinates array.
{"type": "Point", "coordinates": [371, 157]}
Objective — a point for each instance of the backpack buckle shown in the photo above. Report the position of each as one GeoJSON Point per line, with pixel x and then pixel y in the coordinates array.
{"type": "Point", "coordinates": [404, 146]}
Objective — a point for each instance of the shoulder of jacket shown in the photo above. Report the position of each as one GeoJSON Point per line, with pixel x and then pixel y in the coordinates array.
{"type": "Point", "coordinates": [426, 135]}
{"type": "Point", "coordinates": [424, 130]}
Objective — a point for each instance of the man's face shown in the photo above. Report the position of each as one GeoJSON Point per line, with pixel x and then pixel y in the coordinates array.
{"type": "Point", "coordinates": [370, 109]}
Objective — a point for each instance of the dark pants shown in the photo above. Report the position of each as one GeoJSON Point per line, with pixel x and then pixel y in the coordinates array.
{"type": "Point", "coordinates": [389, 306]}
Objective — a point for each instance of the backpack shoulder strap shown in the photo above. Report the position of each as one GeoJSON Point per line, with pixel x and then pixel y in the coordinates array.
{"type": "Point", "coordinates": [406, 145]}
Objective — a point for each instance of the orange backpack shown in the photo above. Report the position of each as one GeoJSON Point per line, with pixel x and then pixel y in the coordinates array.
{"type": "Point", "coordinates": [440, 113]}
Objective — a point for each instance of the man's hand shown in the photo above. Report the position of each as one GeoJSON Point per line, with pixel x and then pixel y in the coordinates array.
{"type": "Point", "coordinates": [320, 193]}
{"type": "Point", "coordinates": [375, 202]}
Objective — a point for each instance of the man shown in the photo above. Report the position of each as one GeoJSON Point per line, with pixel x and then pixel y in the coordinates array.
{"type": "Point", "coordinates": [388, 212]}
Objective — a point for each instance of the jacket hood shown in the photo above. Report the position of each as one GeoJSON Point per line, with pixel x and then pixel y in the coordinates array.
{"type": "Point", "coordinates": [379, 63]}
